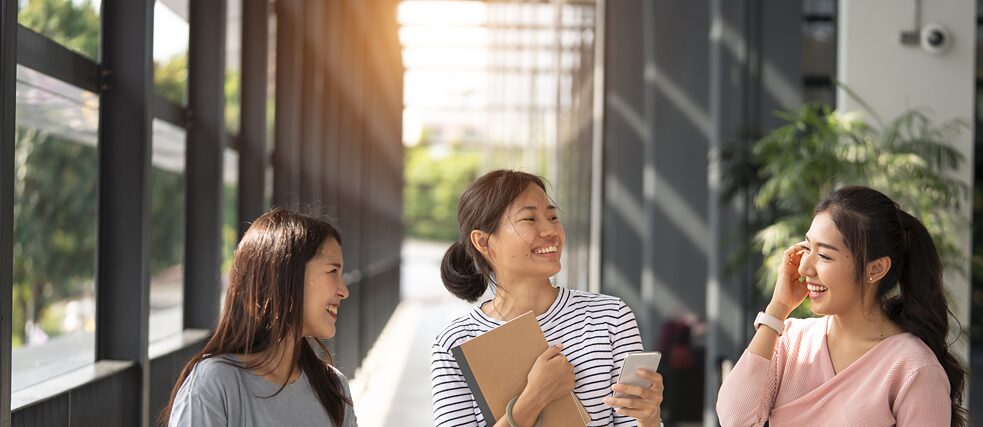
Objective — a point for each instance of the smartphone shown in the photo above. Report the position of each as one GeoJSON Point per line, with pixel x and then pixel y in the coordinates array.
{"type": "Point", "coordinates": [633, 362]}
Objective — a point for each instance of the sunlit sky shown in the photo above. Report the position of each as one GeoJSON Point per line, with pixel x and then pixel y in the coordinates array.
{"type": "Point", "coordinates": [170, 30]}
{"type": "Point", "coordinates": [445, 52]}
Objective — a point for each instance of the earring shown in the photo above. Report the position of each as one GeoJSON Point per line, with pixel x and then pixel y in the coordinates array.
{"type": "Point", "coordinates": [870, 279]}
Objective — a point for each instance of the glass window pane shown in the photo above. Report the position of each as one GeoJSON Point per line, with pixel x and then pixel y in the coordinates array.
{"type": "Point", "coordinates": [171, 50]}
{"type": "Point", "coordinates": [230, 215]}
{"type": "Point", "coordinates": [72, 23]}
{"type": "Point", "coordinates": [167, 202]}
{"type": "Point", "coordinates": [233, 62]}
{"type": "Point", "coordinates": [57, 169]}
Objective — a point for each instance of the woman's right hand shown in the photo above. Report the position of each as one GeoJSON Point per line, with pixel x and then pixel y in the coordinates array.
{"type": "Point", "coordinates": [551, 376]}
{"type": "Point", "coordinates": [789, 291]}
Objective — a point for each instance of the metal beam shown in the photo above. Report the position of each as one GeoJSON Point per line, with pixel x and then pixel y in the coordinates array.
{"type": "Point", "coordinates": [123, 264]}
{"type": "Point", "coordinates": [8, 87]}
{"type": "Point", "coordinates": [205, 149]}
{"type": "Point", "coordinates": [50, 57]}
{"type": "Point", "coordinates": [252, 136]}
{"type": "Point", "coordinates": [169, 111]}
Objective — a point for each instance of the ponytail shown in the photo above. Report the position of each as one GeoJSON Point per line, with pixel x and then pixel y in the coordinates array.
{"type": "Point", "coordinates": [460, 273]}
{"type": "Point", "coordinates": [921, 309]}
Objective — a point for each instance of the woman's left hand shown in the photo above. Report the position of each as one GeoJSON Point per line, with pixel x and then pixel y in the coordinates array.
{"type": "Point", "coordinates": [640, 403]}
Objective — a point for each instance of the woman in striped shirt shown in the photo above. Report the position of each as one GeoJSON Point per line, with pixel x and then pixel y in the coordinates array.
{"type": "Point", "coordinates": [511, 237]}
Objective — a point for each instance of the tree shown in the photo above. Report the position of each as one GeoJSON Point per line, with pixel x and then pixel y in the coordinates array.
{"type": "Point", "coordinates": [435, 179]}
{"type": "Point", "coordinates": [75, 26]}
{"type": "Point", "coordinates": [791, 168]}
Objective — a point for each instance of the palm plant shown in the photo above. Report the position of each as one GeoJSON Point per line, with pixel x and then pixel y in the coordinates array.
{"type": "Point", "coordinates": [792, 167]}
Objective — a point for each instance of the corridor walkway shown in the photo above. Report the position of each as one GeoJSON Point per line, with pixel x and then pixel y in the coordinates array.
{"type": "Point", "coordinates": [392, 388]}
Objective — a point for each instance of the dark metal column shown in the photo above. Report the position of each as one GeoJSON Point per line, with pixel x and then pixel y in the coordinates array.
{"type": "Point", "coordinates": [754, 70]}
{"type": "Point", "coordinates": [252, 136]}
{"type": "Point", "coordinates": [351, 190]}
{"type": "Point", "coordinates": [8, 87]}
{"type": "Point", "coordinates": [725, 297]}
{"type": "Point", "coordinates": [205, 148]}
{"type": "Point", "coordinates": [289, 59]}
{"type": "Point", "coordinates": [122, 279]}
{"type": "Point", "coordinates": [330, 127]}
{"type": "Point", "coordinates": [311, 98]}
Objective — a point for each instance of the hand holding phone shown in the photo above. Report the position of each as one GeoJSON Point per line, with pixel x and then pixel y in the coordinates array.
{"type": "Point", "coordinates": [629, 372]}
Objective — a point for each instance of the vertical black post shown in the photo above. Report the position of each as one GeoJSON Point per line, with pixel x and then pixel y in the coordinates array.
{"type": "Point", "coordinates": [122, 278]}
{"type": "Point", "coordinates": [312, 78]}
{"type": "Point", "coordinates": [758, 43]}
{"type": "Point", "coordinates": [252, 136]}
{"type": "Point", "coordinates": [331, 108]}
{"type": "Point", "coordinates": [8, 86]}
{"type": "Point", "coordinates": [205, 148]}
{"type": "Point", "coordinates": [351, 195]}
{"type": "Point", "coordinates": [289, 60]}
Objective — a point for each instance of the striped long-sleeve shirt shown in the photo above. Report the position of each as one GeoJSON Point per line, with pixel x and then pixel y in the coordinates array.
{"type": "Point", "coordinates": [597, 332]}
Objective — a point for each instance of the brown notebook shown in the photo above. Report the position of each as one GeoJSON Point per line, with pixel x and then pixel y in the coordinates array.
{"type": "Point", "coordinates": [495, 365]}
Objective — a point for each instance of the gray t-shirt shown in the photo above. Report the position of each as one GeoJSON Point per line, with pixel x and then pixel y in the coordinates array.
{"type": "Point", "coordinates": [219, 394]}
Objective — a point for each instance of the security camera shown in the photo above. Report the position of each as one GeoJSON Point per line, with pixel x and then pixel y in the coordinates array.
{"type": "Point", "coordinates": [935, 38]}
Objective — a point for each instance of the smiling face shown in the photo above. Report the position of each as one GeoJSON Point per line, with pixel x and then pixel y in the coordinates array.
{"type": "Point", "coordinates": [529, 238]}
{"type": "Point", "coordinates": [829, 269]}
{"type": "Point", "coordinates": [323, 290]}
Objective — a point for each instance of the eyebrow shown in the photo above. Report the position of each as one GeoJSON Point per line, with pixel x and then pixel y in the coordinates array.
{"type": "Point", "coordinates": [533, 208]}
{"type": "Point", "coordinates": [823, 245]}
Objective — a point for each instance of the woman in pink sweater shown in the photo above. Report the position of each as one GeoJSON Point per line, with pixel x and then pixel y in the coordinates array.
{"type": "Point", "coordinates": [880, 355]}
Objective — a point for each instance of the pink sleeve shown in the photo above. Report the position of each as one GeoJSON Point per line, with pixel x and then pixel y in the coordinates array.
{"type": "Point", "coordinates": [924, 399]}
{"type": "Point", "coordinates": [748, 394]}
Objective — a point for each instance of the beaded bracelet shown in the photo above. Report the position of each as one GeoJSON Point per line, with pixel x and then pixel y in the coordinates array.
{"type": "Point", "coordinates": [508, 414]}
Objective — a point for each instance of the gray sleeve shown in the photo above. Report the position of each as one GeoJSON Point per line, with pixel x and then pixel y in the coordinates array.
{"type": "Point", "coordinates": [200, 402]}
{"type": "Point", "coordinates": [350, 419]}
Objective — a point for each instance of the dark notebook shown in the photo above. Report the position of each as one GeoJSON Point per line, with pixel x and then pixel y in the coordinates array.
{"type": "Point", "coordinates": [495, 365]}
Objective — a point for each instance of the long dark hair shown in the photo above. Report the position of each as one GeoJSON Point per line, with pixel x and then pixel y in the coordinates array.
{"type": "Point", "coordinates": [264, 305]}
{"type": "Point", "coordinates": [874, 226]}
{"type": "Point", "coordinates": [463, 270]}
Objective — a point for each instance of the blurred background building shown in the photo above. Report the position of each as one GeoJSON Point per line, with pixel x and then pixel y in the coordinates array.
{"type": "Point", "coordinates": [139, 138]}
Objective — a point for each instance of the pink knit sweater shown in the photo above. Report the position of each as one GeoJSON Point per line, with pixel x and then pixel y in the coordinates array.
{"type": "Point", "coordinates": [898, 382]}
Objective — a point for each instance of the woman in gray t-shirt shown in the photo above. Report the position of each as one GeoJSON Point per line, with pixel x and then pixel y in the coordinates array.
{"type": "Point", "coordinates": [265, 364]}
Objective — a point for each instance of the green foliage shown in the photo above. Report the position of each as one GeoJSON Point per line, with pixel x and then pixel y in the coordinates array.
{"type": "Point", "coordinates": [171, 77]}
{"type": "Point", "coordinates": [54, 222]}
{"type": "Point", "coordinates": [793, 167]}
{"type": "Point", "coordinates": [74, 25]}
{"type": "Point", "coordinates": [230, 225]}
{"type": "Point", "coordinates": [435, 179]}
{"type": "Point", "coordinates": [233, 83]}
{"type": "Point", "coordinates": [167, 216]}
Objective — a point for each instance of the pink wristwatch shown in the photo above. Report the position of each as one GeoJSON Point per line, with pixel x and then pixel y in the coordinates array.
{"type": "Point", "coordinates": [769, 321]}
